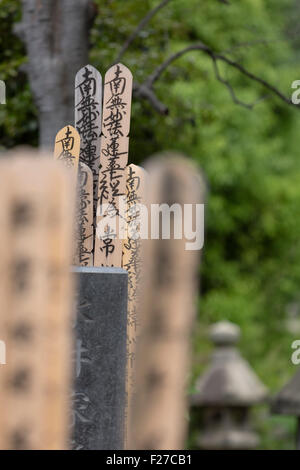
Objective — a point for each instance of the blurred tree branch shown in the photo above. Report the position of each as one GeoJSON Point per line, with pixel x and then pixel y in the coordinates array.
{"type": "Point", "coordinates": [139, 28]}
{"type": "Point", "coordinates": [145, 90]}
{"type": "Point", "coordinates": [56, 36]}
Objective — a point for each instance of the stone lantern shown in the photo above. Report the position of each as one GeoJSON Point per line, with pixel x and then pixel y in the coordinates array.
{"type": "Point", "coordinates": [225, 394]}
{"type": "Point", "coordinates": [287, 402]}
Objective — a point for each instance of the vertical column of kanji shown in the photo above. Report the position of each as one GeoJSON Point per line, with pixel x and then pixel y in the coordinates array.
{"type": "Point", "coordinates": [168, 308]}
{"type": "Point", "coordinates": [113, 161]}
{"type": "Point", "coordinates": [88, 120]}
{"type": "Point", "coordinates": [84, 216]}
{"type": "Point", "coordinates": [28, 385]}
{"type": "Point", "coordinates": [59, 320]}
{"type": "Point", "coordinates": [136, 217]}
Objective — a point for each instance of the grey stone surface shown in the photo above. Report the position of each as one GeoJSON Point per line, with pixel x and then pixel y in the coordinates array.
{"type": "Point", "coordinates": [287, 401]}
{"type": "Point", "coordinates": [100, 359]}
{"type": "Point", "coordinates": [225, 393]}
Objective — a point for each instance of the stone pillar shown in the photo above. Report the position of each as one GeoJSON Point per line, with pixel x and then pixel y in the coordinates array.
{"type": "Point", "coordinates": [100, 359]}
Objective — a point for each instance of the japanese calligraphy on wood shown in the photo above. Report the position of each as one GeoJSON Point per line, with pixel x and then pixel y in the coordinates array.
{"type": "Point", "coordinates": [84, 215]}
{"type": "Point", "coordinates": [167, 312]}
{"type": "Point", "coordinates": [67, 146]}
{"type": "Point", "coordinates": [113, 161]}
{"type": "Point", "coordinates": [132, 262]}
{"type": "Point", "coordinates": [35, 300]}
{"type": "Point", "coordinates": [88, 119]}
{"type": "Point", "coordinates": [66, 151]}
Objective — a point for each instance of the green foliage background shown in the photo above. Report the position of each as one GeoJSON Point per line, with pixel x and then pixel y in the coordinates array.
{"type": "Point", "coordinates": [250, 272]}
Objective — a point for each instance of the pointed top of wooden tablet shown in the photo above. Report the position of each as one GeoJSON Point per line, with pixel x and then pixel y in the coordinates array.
{"type": "Point", "coordinates": [119, 67]}
{"type": "Point", "coordinates": [88, 67]}
{"type": "Point", "coordinates": [67, 147]}
{"type": "Point", "coordinates": [88, 76]}
{"type": "Point", "coordinates": [66, 131]}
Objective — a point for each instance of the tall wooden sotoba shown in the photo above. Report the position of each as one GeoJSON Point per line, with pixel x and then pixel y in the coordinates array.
{"type": "Point", "coordinates": [113, 161]}
{"type": "Point", "coordinates": [167, 310]}
{"type": "Point", "coordinates": [132, 262]}
{"type": "Point", "coordinates": [35, 302]}
{"type": "Point", "coordinates": [66, 151]}
{"type": "Point", "coordinates": [84, 217]}
{"type": "Point", "coordinates": [88, 120]}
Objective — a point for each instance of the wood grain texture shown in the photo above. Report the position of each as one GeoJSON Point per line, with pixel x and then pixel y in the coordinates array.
{"type": "Point", "coordinates": [132, 263]}
{"type": "Point", "coordinates": [35, 299]}
{"type": "Point", "coordinates": [167, 313]}
{"type": "Point", "coordinates": [88, 119]}
{"type": "Point", "coordinates": [113, 161]}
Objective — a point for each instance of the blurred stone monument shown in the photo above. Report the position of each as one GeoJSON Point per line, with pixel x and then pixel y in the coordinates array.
{"type": "Point", "coordinates": [225, 394]}
{"type": "Point", "coordinates": [287, 402]}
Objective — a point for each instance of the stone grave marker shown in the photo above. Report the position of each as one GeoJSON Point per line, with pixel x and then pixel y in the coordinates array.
{"type": "Point", "coordinates": [100, 359]}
